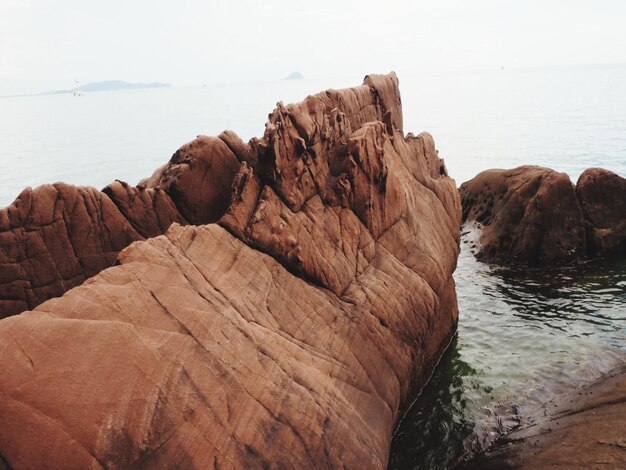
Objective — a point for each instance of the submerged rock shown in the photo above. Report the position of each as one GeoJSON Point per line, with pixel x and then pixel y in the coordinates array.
{"type": "Point", "coordinates": [294, 333]}
{"type": "Point", "coordinates": [535, 216]}
{"type": "Point", "coordinates": [585, 428]}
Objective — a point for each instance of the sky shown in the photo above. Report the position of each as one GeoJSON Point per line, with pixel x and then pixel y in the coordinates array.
{"type": "Point", "coordinates": [47, 44]}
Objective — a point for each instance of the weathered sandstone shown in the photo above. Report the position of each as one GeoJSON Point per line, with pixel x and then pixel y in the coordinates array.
{"type": "Point", "coordinates": [149, 211]}
{"type": "Point", "coordinates": [52, 239]}
{"type": "Point", "coordinates": [535, 216]}
{"type": "Point", "coordinates": [56, 236]}
{"type": "Point", "coordinates": [602, 196]}
{"type": "Point", "coordinates": [292, 334]}
{"type": "Point", "coordinates": [198, 179]}
{"type": "Point", "coordinates": [585, 428]}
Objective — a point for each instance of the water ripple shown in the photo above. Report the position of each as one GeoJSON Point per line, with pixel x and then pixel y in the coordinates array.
{"type": "Point", "coordinates": [524, 336]}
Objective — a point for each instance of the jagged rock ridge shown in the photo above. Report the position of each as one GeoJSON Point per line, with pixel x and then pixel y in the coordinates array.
{"type": "Point", "coordinates": [293, 333]}
{"type": "Point", "coordinates": [55, 237]}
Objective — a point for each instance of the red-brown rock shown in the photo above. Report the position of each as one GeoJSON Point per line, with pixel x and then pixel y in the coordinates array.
{"type": "Point", "coordinates": [582, 429]}
{"type": "Point", "coordinates": [149, 211]}
{"type": "Point", "coordinates": [293, 334]}
{"type": "Point", "coordinates": [528, 215]}
{"type": "Point", "coordinates": [602, 196]}
{"type": "Point", "coordinates": [198, 179]}
{"type": "Point", "coordinates": [533, 215]}
{"type": "Point", "coordinates": [52, 239]}
{"type": "Point", "coordinates": [55, 237]}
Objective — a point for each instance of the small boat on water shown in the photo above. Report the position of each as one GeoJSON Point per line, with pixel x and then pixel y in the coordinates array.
{"type": "Point", "coordinates": [78, 91]}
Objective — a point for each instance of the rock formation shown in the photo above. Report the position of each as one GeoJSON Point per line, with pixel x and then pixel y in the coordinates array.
{"type": "Point", "coordinates": [535, 216]}
{"type": "Point", "coordinates": [56, 236]}
{"type": "Point", "coordinates": [602, 196]}
{"type": "Point", "coordinates": [292, 334]}
{"type": "Point", "coordinates": [582, 429]}
{"type": "Point", "coordinates": [198, 179]}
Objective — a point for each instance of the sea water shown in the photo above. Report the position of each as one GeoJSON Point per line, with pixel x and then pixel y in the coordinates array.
{"type": "Point", "coordinates": [523, 336]}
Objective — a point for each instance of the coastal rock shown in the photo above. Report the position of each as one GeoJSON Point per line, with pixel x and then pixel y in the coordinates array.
{"type": "Point", "coordinates": [244, 152]}
{"type": "Point", "coordinates": [585, 428]}
{"type": "Point", "coordinates": [198, 179]}
{"type": "Point", "coordinates": [528, 215]}
{"type": "Point", "coordinates": [602, 196]}
{"type": "Point", "coordinates": [292, 334]}
{"type": "Point", "coordinates": [534, 215]}
{"type": "Point", "coordinates": [54, 238]}
{"type": "Point", "coordinates": [149, 211]}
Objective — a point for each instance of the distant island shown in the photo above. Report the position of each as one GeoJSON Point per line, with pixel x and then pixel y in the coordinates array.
{"type": "Point", "coordinates": [110, 85]}
{"type": "Point", "coordinates": [294, 76]}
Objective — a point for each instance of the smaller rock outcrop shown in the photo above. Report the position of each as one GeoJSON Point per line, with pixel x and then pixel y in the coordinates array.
{"type": "Point", "coordinates": [198, 178]}
{"type": "Point", "coordinates": [53, 238]}
{"type": "Point", "coordinates": [149, 211]}
{"type": "Point", "coordinates": [56, 236]}
{"type": "Point", "coordinates": [528, 215]}
{"type": "Point", "coordinates": [602, 196]}
{"type": "Point", "coordinates": [535, 216]}
{"type": "Point", "coordinates": [582, 429]}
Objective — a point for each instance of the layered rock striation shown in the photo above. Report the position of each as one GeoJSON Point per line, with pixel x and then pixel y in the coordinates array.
{"type": "Point", "coordinates": [535, 216]}
{"type": "Point", "coordinates": [56, 236]}
{"type": "Point", "coordinates": [291, 334]}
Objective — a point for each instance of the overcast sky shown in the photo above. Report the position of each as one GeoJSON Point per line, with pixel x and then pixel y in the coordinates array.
{"type": "Point", "coordinates": [47, 44]}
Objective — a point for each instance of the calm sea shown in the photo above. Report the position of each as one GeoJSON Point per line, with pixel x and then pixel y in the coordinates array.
{"type": "Point", "coordinates": [523, 336]}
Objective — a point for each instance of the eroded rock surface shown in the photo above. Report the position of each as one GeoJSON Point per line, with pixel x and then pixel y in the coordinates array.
{"type": "Point", "coordinates": [55, 237]}
{"type": "Point", "coordinates": [585, 428]}
{"type": "Point", "coordinates": [198, 179]}
{"type": "Point", "coordinates": [535, 216]}
{"type": "Point", "coordinates": [149, 211]}
{"type": "Point", "coordinates": [52, 239]}
{"type": "Point", "coordinates": [292, 334]}
{"type": "Point", "coordinates": [602, 196]}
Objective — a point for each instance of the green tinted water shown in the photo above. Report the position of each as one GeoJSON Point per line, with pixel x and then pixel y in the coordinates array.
{"type": "Point", "coordinates": [524, 336]}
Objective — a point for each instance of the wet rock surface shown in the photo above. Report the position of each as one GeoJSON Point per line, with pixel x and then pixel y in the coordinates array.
{"type": "Point", "coordinates": [585, 428]}
{"type": "Point", "coordinates": [602, 196]}
{"type": "Point", "coordinates": [292, 334]}
{"type": "Point", "coordinates": [535, 216]}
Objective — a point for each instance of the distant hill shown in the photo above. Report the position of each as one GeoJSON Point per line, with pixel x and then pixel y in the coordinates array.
{"type": "Point", "coordinates": [294, 76]}
{"type": "Point", "coordinates": [110, 85]}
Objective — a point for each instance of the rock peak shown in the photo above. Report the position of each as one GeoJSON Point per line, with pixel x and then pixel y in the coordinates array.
{"type": "Point", "coordinates": [294, 332]}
